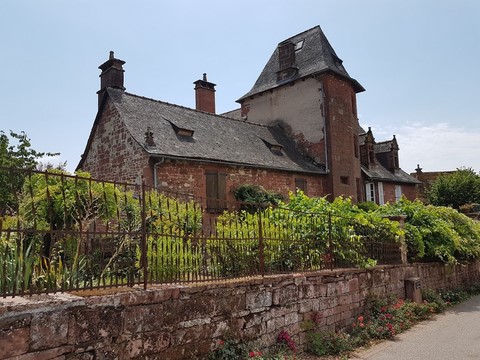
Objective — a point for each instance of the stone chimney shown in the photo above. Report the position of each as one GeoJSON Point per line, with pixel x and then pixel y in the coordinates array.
{"type": "Point", "coordinates": [286, 61]}
{"type": "Point", "coordinates": [205, 95]}
{"type": "Point", "coordinates": [111, 76]}
{"type": "Point", "coordinates": [286, 55]}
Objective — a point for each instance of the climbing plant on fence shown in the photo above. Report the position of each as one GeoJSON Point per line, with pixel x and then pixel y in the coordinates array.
{"type": "Point", "coordinates": [73, 232]}
{"type": "Point", "coordinates": [435, 232]}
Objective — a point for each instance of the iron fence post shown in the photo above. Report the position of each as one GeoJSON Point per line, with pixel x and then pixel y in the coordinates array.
{"type": "Point", "coordinates": [260, 244]}
{"type": "Point", "coordinates": [144, 237]}
{"type": "Point", "coordinates": [330, 242]}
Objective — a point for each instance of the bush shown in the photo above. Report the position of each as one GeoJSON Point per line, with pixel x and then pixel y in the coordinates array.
{"type": "Point", "coordinates": [328, 343]}
{"type": "Point", "coordinates": [436, 233]}
{"type": "Point", "coordinates": [456, 189]}
{"type": "Point", "coordinates": [256, 197]}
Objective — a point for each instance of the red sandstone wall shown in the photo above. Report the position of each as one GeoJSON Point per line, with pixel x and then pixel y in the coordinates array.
{"type": "Point", "coordinates": [189, 178]}
{"type": "Point", "coordinates": [342, 127]}
{"type": "Point", "coordinates": [408, 190]}
{"type": "Point", "coordinates": [186, 322]}
{"type": "Point", "coordinates": [114, 154]}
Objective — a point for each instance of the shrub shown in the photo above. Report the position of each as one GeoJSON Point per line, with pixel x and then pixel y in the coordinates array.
{"type": "Point", "coordinates": [256, 197]}
{"type": "Point", "coordinates": [328, 343]}
{"type": "Point", "coordinates": [229, 350]}
{"type": "Point", "coordinates": [437, 233]}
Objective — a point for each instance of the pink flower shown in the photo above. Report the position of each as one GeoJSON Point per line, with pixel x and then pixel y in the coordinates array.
{"type": "Point", "coordinates": [360, 318]}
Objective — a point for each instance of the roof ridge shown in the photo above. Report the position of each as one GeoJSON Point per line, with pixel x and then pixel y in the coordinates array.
{"type": "Point", "coordinates": [383, 142]}
{"type": "Point", "coordinates": [303, 32]}
{"type": "Point", "coordinates": [194, 110]}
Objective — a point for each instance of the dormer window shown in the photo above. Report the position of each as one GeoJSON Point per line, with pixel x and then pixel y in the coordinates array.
{"type": "Point", "coordinates": [183, 132]}
{"type": "Point", "coordinates": [274, 147]}
{"type": "Point", "coordinates": [299, 45]}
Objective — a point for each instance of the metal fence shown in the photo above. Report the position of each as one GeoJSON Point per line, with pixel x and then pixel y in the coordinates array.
{"type": "Point", "coordinates": [61, 233]}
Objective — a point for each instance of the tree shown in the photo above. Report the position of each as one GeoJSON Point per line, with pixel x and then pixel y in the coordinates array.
{"type": "Point", "coordinates": [456, 189]}
{"type": "Point", "coordinates": [15, 156]}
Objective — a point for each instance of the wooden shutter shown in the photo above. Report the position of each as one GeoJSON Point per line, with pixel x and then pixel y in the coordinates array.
{"type": "Point", "coordinates": [211, 180]}
{"type": "Point", "coordinates": [301, 184]}
{"type": "Point", "coordinates": [222, 192]}
{"type": "Point", "coordinates": [216, 191]}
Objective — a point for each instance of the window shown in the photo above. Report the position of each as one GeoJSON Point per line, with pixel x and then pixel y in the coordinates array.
{"type": "Point", "coordinates": [301, 184]}
{"type": "Point", "coordinates": [345, 180]}
{"type": "Point", "coordinates": [381, 197]}
{"type": "Point", "coordinates": [370, 191]}
{"type": "Point", "coordinates": [395, 160]}
{"type": "Point", "coordinates": [398, 192]}
{"type": "Point", "coordinates": [216, 192]}
{"type": "Point", "coordinates": [299, 45]}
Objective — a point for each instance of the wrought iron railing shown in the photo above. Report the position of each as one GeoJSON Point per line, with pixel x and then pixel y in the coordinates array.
{"type": "Point", "coordinates": [60, 232]}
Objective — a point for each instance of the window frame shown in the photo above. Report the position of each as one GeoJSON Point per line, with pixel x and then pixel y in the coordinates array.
{"type": "Point", "coordinates": [370, 192]}
{"type": "Point", "coordinates": [215, 191]}
{"type": "Point", "coordinates": [301, 184]}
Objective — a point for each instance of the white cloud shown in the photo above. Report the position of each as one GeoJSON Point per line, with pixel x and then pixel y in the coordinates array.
{"type": "Point", "coordinates": [435, 147]}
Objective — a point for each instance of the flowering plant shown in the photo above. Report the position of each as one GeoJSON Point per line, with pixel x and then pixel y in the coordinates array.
{"type": "Point", "coordinates": [285, 338]}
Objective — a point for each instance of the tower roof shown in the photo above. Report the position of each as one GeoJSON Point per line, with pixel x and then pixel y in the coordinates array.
{"type": "Point", "coordinates": [313, 55]}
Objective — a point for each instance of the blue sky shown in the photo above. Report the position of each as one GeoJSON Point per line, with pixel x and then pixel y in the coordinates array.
{"type": "Point", "coordinates": [417, 59]}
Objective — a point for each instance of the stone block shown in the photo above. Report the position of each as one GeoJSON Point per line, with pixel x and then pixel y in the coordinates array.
{"type": "Point", "coordinates": [14, 342]}
{"type": "Point", "coordinates": [97, 325]}
{"type": "Point", "coordinates": [57, 353]}
{"type": "Point", "coordinates": [145, 344]}
{"type": "Point", "coordinates": [258, 299]}
{"type": "Point", "coordinates": [143, 318]}
{"type": "Point", "coordinates": [48, 330]}
{"type": "Point", "coordinates": [285, 295]}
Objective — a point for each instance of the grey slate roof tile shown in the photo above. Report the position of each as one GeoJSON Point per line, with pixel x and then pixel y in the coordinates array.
{"type": "Point", "coordinates": [316, 56]}
{"type": "Point", "coordinates": [215, 138]}
{"type": "Point", "coordinates": [378, 172]}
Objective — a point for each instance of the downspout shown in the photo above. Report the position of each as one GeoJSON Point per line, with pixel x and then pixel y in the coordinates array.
{"type": "Point", "coordinates": [155, 165]}
{"type": "Point", "coordinates": [324, 108]}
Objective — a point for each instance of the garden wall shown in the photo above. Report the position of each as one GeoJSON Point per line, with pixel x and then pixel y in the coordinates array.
{"type": "Point", "coordinates": [185, 322]}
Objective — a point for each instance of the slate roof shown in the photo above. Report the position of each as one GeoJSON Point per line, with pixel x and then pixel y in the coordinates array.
{"type": "Point", "coordinates": [383, 147]}
{"type": "Point", "coordinates": [215, 138]}
{"type": "Point", "coordinates": [234, 114]}
{"type": "Point", "coordinates": [315, 57]}
{"type": "Point", "coordinates": [378, 172]}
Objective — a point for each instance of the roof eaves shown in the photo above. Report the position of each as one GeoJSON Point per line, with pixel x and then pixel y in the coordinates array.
{"type": "Point", "coordinates": [234, 163]}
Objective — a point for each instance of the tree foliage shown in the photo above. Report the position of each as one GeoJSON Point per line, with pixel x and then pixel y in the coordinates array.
{"type": "Point", "coordinates": [456, 189]}
{"type": "Point", "coordinates": [15, 152]}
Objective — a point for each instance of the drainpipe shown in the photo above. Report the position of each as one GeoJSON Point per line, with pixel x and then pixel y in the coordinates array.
{"type": "Point", "coordinates": [325, 130]}
{"type": "Point", "coordinates": [155, 181]}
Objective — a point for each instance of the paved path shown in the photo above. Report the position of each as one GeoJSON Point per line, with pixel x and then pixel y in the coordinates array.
{"type": "Point", "coordinates": [451, 336]}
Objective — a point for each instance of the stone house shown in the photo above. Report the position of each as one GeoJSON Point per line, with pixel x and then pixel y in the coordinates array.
{"type": "Point", "coordinates": [425, 180]}
{"type": "Point", "coordinates": [381, 174]}
{"type": "Point", "coordinates": [297, 128]}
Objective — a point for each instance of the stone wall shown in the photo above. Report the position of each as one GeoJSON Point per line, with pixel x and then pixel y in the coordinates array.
{"type": "Point", "coordinates": [186, 322]}
{"type": "Point", "coordinates": [113, 154]}
{"type": "Point", "coordinates": [189, 178]}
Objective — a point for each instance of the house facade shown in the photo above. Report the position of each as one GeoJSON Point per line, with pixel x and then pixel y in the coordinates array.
{"type": "Point", "coordinates": [297, 128]}
{"type": "Point", "coordinates": [382, 176]}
